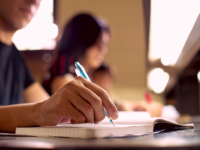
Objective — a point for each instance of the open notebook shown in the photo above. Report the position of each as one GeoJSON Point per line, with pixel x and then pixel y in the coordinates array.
{"type": "Point", "coordinates": [123, 127]}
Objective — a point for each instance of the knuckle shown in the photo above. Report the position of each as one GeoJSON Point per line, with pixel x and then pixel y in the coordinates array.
{"type": "Point", "coordinates": [89, 109]}
{"type": "Point", "coordinates": [79, 78]}
{"type": "Point", "coordinates": [97, 101]}
{"type": "Point", "coordinates": [81, 118]}
{"type": "Point", "coordinates": [102, 92]}
{"type": "Point", "coordinates": [71, 83]}
{"type": "Point", "coordinates": [100, 117]}
{"type": "Point", "coordinates": [63, 93]}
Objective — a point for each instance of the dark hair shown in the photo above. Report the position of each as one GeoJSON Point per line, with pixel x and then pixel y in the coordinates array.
{"type": "Point", "coordinates": [104, 68]}
{"type": "Point", "coordinates": [80, 33]}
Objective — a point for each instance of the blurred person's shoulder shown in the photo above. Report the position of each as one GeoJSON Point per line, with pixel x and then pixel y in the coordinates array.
{"type": "Point", "coordinates": [9, 50]}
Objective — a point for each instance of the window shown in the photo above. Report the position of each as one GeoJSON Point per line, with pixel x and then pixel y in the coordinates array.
{"type": "Point", "coordinates": [41, 32]}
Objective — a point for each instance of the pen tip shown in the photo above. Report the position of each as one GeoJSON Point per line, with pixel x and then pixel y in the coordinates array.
{"type": "Point", "coordinates": [112, 122]}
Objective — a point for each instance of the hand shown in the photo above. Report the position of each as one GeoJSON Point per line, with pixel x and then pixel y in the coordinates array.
{"type": "Point", "coordinates": [130, 106]}
{"type": "Point", "coordinates": [79, 101]}
{"type": "Point", "coordinates": [154, 108]}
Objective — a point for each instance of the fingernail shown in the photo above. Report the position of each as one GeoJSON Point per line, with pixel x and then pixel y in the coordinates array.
{"type": "Point", "coordinates": [115, 115]}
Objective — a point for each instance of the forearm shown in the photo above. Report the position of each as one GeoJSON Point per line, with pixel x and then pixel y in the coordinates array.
{"type": "Point", "coordinates": [59, 82]}
{"type": "Point", "coordinates": [79, 101]}
{"type": "Point", "coordinates": [21, 115]}
{"type": "Point", "coordinates": [35, 93]}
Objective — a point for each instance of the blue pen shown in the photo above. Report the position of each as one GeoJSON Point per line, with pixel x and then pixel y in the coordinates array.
{"type": "Point", "coordinates": [80, 71]}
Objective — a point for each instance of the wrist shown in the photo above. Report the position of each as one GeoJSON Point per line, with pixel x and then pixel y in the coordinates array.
{"type": "Point", "coordinates": [38, 116]}
{"type": "Point", "coordinates": [44, 114]}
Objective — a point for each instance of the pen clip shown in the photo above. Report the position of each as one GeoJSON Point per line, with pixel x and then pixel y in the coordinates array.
{"type": "Point", "coordinates": [77, 71]}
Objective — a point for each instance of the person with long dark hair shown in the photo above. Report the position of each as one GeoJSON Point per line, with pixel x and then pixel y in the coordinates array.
{"type": "Point", "coordinates": [84, 39]}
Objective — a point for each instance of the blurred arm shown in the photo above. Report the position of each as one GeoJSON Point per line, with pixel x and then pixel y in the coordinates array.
{"type": "Point", "coordinates": [35, 93]}
{"type": "Point", "coordinates": [154, 108]}
{"type": "Point", "coordinates": [60, 81]}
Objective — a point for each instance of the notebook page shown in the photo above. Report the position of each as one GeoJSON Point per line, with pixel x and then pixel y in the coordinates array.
{"type": "Point", "coordinates": [147, 121]}
{"type": "Point", "coordinates": [92, 126]}
{"type": "Point", "coordinates": [131, 118]}
{"type": "Point", "coordinates": [83, 125]}
{"type": "Point", "coordinates": [130, 115]}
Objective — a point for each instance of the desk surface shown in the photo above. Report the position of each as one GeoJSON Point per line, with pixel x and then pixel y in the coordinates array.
{"type": "Point", "coordinates": [182, 139]}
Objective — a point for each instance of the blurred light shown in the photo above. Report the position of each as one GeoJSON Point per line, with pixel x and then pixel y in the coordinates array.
{"type": "Point", "coordinates": [170, 25]}
{"type": "Point", "coordinates": [54, 31]}
{"type": "Point", "coordinates": [165, 61]}
{"type": "Point", "coordinates": [47, 57]}
{"type": "Point", "coordinates": [157, 80]}
{"type": "Point", "coordinates": [41, 32]}
{"type": "Point", "coordinates": [198, 76]}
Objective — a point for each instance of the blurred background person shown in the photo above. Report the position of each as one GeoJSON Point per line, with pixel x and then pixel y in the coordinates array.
{"type": "Point", "coordinates": [85, 39]}
{"type": "Point", "coordinates": [105, 75]}
{"type": "Point", "coordinates": [16, 83]}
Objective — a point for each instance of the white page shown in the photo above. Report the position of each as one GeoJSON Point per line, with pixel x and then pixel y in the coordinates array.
{"type": "Point", "coordinates": [127, 118]}
{"type": "Point", "coordinates": [92, 126]}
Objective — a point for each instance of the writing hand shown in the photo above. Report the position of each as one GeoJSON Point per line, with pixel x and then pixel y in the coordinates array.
{"type": "Point", "coordinates": [79, 101]}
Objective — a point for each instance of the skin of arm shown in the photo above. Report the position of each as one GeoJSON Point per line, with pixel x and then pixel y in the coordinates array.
{"type": "Point", "coordinates": [78, 101]}
{"type": "Point", "coordinates": [30, 95]}
{"type": "Point", "coordinates": [154, 108]}
{"type": "Point", "coordinates": [59, 82]}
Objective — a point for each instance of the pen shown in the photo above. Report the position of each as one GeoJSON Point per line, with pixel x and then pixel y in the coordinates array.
{"type": "Point", "coordinates": [80, 71]}
{"type": "Point", "coordinates": [148, 97]}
